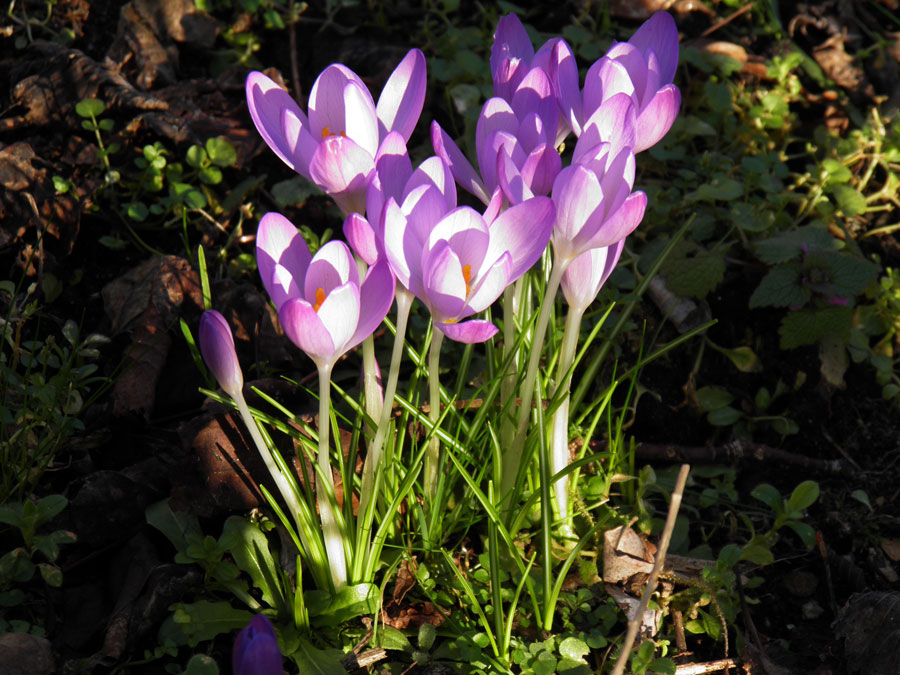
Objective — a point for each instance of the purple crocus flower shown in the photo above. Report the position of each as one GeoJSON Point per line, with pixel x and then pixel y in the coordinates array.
{"type": "Point", "coordinates": [467, 260]}
{"type": "Point", "coordinates": [595, 206]}
{"type": "Point", "coordinates": [321, 304]}
{"type": "Point", "coordinates": [424, 194]}
{"type": "Point", "coordinates": [255, 650]}
{"type": "Point", "coordinates": [217, 349]}
{"type": "Point", "coordinates": [642, 68]}
{"type": "Point", "coordinates": [336, 145]}
{"type": "Point", "coordinates": [585, 276]}
{"type": "Point", "coordinates": [515, 142]}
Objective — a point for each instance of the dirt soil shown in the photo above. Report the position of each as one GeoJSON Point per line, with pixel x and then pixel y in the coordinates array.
{"type": "Point", "coordinates": [152, 435]}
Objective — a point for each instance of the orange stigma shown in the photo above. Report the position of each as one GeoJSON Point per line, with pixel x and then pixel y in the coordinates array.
{"type": "Point", "coordinates": [320, 298]}
{"type": "Point", "coordinates": [467, 277]}
{"type": "Point", "coordinates": [326, 132]}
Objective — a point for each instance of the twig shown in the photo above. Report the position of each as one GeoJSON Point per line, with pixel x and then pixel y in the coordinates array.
{"type": "Point", "coordinates": [728, 19]}
{"type": "Point", "coordinates": [634, 623]}
{"type": "Point", "coordinates": [708, 667]}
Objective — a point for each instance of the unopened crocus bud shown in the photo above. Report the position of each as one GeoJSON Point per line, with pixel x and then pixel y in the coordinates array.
{"type": "Point", "coordinates": [217, 348]}
{"type": "Point", "coordinates": [256, 650]}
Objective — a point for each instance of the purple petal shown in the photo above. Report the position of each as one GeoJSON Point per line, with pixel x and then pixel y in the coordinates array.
{"type": "Point", "coordinates": [489, 286]}
{"type": "Point", "coordinates": [305, 329]}
{"type": "Point", "coordinates": [340, 315]}
{"type": "Point", "coordinates": [396, 232]}
{"type": "Point", "coordinates": [468, 332]}
{"type": "Point", "coordinates": [342, 169]}
{"type": "Point", "coordinates": [332, 266]}
{"type": "Point", "coordinates": [255, 650]}
{"type": "Point", "coordinates": [656, 119]}
{"type": "Point", "coordinates": [660, 34]}
{"type": "Point", "coordinates": [444, 283]}
{"type": "Point", "coordinates": [635, 62]}
{"type": "Point", "coordinates": [297, 137]}
{"type": "Point", "coordinates": [577, 195]}
{"type": "Point", "coordinates": [564, 76]}
{"type": "Point", "coordinates": [217, 348]}
{"type": "Point", "coordinates": [612, 122]}
{"type": "Point", "coordinates": [392, 169]}
{"type": "Point", "coordinates": [541, 168]}
{"type": "Point", "coordinates": [282, 257]}
{"type": "Point", "coordinates": [604, 79]}
{"type": "Point", "coordinates": [401, 100]}
{"type": "Point", "coordinates": [523, 231]}
{"type": "Point", "coordinates": [434, 171]}
{"type": "Point", "coordinates": [424, 207]}
{"type": "Point", "coordinates": [535, 95]}
{"type": "Point", "coordinates": [466, 233]}
{"type": "Point", "coordinates": [361, 238]}
{"type": "Point", "coordinates": [513, 184]}
{"type": "Point", "coordinates": [494, 207]}
{"type": "Point", "coordinates": [327, 111]}
{"type": "Point", "coordinates": [619, 224]}
{"type": "Point", "coordinates": [585, 276]}
{"type": "Point", "coordinates": [511, 53]}
{"type": "Point", "coordinates": [490, 148]}
{"type": "Point", "coordinates": [375, 298]}
{"type": "Point", "coordinates": [268, 104]}
{"type": "Point", "coordinates": [361, 123]}
{"type": "Point", "coordinates": [460, 167]}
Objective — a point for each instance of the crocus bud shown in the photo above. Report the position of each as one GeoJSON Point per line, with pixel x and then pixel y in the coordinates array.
{"type": "Point", "coordinates": [256, 650]}
{"type": "Point", "coordinates": [217, 348]}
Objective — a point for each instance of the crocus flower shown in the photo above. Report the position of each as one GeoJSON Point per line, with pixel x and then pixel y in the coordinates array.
{"type": "Point", "coordinates": [515, 142]}
{"type": "Point", "coordinates": [642, 68]}
{"type": "Point", "coordinates": [335, 146]}
{"type": "Point", "coordinates": [425, 193]}
{"type": "Point", "coordinates": [255, 650]}
{"type": "Point", "coordinates": [585, 276]}
{"type": "Point", "coordinates": [467, 260]}
{"type": "Point", "coordinates": [321, 304]}
{"type": "Point", "coordinates": [595, 206]}
{"type": "Point", "coordinates": [217, 349]}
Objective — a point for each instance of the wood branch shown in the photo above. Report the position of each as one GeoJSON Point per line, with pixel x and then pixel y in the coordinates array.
{"type": "Point", "coordinates": [708, 667]}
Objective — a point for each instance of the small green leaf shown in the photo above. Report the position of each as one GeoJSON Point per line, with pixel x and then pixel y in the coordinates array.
{"type": "Point", "coordinates": [728, 556]}
{"type": "Point", "coordinates": [61, 185]}
{"type": "Point", "coordinates": [351, 601]}
{"type": "Point", "coordinates": [724, 417]}
{"type": "Point", "coordinates": [49, 507]}
{"type": "Point", "coordinates": [51, 574]}
{"type": "Point", "coordinates": [389, 637]}
{"type": "Point", "coordinates": [662, 665]}
{"type": "Point", "coordinates": [713, 398]}
{"type": "Point", "coordinates": [111, 243]}
{"type": "Point", "coordinates": [137, 211]}
{"type": "Point", "coordinates": [851, 201]}
{"type": "Point", "coordinates": [574, 649]}
{"type": "Point", "coordinates": [862, 497]}
{"type": "Point", "coordinates": [251, 552]}
{"type": "Point", "coordinates": [804, 495]}
{"type": "Point", "coordinates": [768, 495]}
{"type": "Point", "coordinates": [806, 533]}
{"type": "Point", "coordinates": [196, 156]}
{"type": "Point", "coordinates": [808, 326]}
{"type": "Point", "coordinates": [201, 664]}
{"type": "Point", "coordinates": [210, 175]}
{"type": "Point", "coordinates": [202, 621]}
{"type": "Point", "coordinates": [221, 152]}
{"type": "Point", "coordinates": [178, 526]}
{"type": "Point", "coordinates": [90, 107]}
{"type": "Point", "coordinates": [757, 554]}
{"type": "Point", "coordinates": [313, 661]}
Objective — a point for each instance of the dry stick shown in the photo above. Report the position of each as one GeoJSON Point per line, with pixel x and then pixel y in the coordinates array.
{"type": "Point", "coordinates": [635, 622]}
{"type": "Point", "coordinates": [728, 19]}
{"type": "Point", "coordinates": [704, 668]}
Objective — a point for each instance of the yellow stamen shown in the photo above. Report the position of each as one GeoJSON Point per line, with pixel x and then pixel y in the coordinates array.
{"type": "Point", "coordinates": [320, 298]}
{"type": "Point", "coordinates": [467, 277]}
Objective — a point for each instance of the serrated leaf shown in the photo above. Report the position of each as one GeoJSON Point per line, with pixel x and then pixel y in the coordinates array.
{"type": "Point", "coordinates": [780, 287]}
{"type": "Point", "coordinates": [251, 553]}
{"type": "Point", "coordinates": [389, 637]}
{"type": "Point", "coordinates": [788, 245]}
{"type": "Point", "coordinates": [692, 270]}
{"type": "Point", "coordinates": [804, 495]}
{"type": "Point", "coordinates": [178, 526]}
{"type": "Point", "coordinates": [808, 326]}
{"type": "Point", "coordinates": [850, 274]}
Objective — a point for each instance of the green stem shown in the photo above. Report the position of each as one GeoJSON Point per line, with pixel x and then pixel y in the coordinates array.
{"type": "Point", "coordinates": [434, 413]}
{"type": "Point", "coordinates": [373, 456]}
{"type": "Point", "coordinates": [281, 483]}
{"type": "Point", "coordinates": [508, 384]}
{"type": "Point", "coordinates": [334, 542]}
{"type": "Point", "coordinates": [372, 395]}
{"type": "Point", "coordinates": [559, 435]}
{"type": "Point", "coordinates": [514, 454]}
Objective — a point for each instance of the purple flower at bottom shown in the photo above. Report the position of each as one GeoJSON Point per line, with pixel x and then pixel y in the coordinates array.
{"type": "Point", "coordinates": [217, 348]}
{"type": "Point", "coordinates": [255, 650]}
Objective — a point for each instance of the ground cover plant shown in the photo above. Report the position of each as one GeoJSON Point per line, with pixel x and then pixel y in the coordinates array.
{"type": "Point", "coordinates": [635, 409]}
